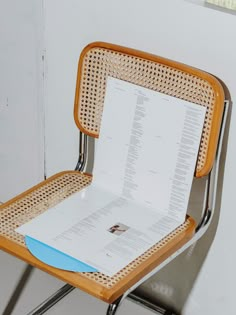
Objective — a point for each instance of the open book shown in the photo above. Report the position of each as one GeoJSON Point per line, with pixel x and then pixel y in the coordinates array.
{"type": "Point", "coordinates": [144, 164]}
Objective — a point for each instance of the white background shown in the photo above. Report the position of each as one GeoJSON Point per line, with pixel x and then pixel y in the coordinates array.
{"type": "Point", "coordinates": [178, 30]}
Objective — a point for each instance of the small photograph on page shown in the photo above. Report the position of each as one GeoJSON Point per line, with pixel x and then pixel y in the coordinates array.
{"type": "Point", "coordinates": [118, 228]}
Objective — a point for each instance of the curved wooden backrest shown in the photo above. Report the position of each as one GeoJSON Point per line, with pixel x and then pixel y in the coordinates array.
{"type": "Point", "coordinates": [99, 60]}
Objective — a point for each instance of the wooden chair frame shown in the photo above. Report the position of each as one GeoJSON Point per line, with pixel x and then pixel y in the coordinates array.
{"type": "Point", "coordinates": [168, 77]}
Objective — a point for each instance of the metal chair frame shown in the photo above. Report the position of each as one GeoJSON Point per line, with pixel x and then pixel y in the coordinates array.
{"type": "Point", "coordinates": [206, 217]}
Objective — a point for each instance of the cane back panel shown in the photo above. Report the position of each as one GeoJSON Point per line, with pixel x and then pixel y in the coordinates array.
{"type": "Point", "coordinates": [100, 60]}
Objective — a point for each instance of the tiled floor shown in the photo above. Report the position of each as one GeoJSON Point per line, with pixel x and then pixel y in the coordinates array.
{"type": "Point", "coordinates": [41, 285]}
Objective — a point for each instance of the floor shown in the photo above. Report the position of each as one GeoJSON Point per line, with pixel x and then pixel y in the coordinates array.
{"type": "Point", "coordinates": [40, 286]}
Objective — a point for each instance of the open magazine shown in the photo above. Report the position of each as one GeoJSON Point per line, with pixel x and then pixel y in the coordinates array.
{"type": "Point", "coordinates": [144, 164]}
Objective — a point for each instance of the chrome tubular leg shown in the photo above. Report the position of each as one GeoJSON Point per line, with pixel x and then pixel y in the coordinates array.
{"type": "Point", "coordinates": [211, 189]}
{"type": "Point", "coordinates": [112, 308]}
{"type": "Point", "coordinates": [52, 300]}
{"type": "Point", "coordinates": [83, 145]}
{"type": "Point", "coordinates": [18, 290]}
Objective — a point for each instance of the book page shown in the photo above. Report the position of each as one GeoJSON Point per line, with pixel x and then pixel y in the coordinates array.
{"type": "Point", "coordinates": [144, 165]}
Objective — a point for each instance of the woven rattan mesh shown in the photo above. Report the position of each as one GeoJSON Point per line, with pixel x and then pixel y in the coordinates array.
{"type": "Point", "coordinates": [52, 192]}
{"type": "Point", "coordinates": [98, 63]}
{"type": "Point", "coordinates": [39, 200]}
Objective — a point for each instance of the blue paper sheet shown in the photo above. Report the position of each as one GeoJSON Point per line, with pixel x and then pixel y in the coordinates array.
{"type": "Point", "coordinates": [55, 258]}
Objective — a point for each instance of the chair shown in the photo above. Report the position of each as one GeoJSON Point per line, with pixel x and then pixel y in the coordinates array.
{"type": "Point", "coordinates": [97, 61]}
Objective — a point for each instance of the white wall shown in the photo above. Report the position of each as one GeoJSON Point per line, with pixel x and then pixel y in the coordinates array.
{"type": "Point", "coordinates": [178, 30]}
{"type": "Point", "coordinates": [21, 114]}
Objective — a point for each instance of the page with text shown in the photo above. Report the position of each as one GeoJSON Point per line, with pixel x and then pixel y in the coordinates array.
{"type": "Point", "coordinates": [143, 170]}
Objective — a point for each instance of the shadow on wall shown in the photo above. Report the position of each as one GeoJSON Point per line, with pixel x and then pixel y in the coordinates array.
{"type": "Point", "coordinates": [171, 287]}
